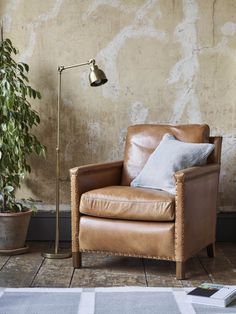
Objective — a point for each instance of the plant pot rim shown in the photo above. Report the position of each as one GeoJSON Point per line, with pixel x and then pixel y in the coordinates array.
{"type": "Point", "coordinates": [27, 212]}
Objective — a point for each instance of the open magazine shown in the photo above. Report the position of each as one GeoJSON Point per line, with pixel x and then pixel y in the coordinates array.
{"type": "Point", "coordinates": [213, 294]}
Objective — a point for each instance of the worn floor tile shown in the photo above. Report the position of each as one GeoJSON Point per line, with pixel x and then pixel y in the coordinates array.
{"type": "Point", "coordinates": [3, 260]}
{"type": "Point", "coordinates": [228, 249]}
{"type": "Point", "coordinates": [232, 261]}
{"type": "Point", "coordinates": [103, 278]}
{"type": "Point", "coordinates": [195, 273]}
{"type": "Point", "coordinates": [220, 269]}
{"type": "Point", "coordinates": [54, 273]}
{"type": "Point", "coordinates": [203, 253]}
{"type": "Point", "coordinates": [106, 271]}
{"type": "Point", "coordinates": [112, 263]}
{"type": "Point", "coordinates": [98, 270]}
{"type": "Point", "coordinates": [160, 273]}
{"type": "Point", "coordinates": [19, 271]}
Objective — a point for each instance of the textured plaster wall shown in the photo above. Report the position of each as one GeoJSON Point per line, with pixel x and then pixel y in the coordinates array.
{"type": "Point", "coordinates": [167, 61]}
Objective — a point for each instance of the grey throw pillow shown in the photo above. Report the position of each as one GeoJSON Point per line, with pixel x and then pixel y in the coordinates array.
{"type": "Point", "coordinates": [170, 156]}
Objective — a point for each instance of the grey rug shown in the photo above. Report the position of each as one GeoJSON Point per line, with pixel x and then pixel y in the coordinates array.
{"type": "Point", "coordinates": [119, 300]}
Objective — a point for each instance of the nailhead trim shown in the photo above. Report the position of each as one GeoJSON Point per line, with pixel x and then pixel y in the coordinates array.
{"type": "Point", "coordinates": [75, 213]}
{"type": "Point", "coordinates": [179, 223]}
{"type": "Point", "coordinates": [127, 254]}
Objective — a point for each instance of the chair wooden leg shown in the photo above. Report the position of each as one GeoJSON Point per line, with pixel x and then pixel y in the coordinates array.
{"type": "Point", "coordinates": [211, 250]}
{"type": "Point", "coordinates": [180, 270]}
{"type": "Point", "coordinates": [76, 259]}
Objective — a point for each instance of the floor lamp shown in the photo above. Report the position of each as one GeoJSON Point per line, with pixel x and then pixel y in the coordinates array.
{"type": "Point", "coordinates": [96, 78]}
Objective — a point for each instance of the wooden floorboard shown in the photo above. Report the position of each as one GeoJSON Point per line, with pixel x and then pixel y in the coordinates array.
{"type": "Point", "coordinates": [33, 270]}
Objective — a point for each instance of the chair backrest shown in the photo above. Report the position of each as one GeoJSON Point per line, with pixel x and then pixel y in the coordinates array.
{"type": "Point", "coordinates": [143, 139]}
{"type": "Point", "coordinates": [216, 154]}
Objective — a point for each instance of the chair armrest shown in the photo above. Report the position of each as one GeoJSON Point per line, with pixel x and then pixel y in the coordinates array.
{"type": "Point", "coordinates": [89, 177]}
{"type": "Point", "coordinates": [196, 199]}
{"type": "Point", "coordinates": [194, 172]}
{"type": "Point", "coordinates": [95, 176]}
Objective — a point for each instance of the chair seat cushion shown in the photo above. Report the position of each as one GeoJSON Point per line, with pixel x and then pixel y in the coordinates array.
{"type": "Point", "coordinates": [125, 202]}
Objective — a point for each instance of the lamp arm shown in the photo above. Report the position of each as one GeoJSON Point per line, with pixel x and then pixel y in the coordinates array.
{"type": "Point", "coordinates": [62, 67]}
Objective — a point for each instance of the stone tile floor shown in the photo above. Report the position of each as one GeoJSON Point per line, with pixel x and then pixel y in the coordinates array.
{"type": "Point", "coordinates": [32, 270]}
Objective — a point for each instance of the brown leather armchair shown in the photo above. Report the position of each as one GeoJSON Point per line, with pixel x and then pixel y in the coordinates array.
{"type": "Point", "coordinates": [110, 216]}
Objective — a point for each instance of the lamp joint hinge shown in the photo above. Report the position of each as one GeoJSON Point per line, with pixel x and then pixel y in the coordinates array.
{"type": "Point", "coordinates": [60, 68]}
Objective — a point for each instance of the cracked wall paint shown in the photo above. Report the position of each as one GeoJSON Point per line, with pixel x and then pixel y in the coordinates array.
{"type": "Point", "coordinates": [228, 29]}
{"type": "Point", "coordinates": [7, 16]}
{"type": "Point", "coordinates": [32, 28]}
{"type": "Point", "coordinates": [94, 5]}
{"type": "Point", "coordinates": [139, 113]}
{"type": "Point", "coordinates": [142, 26]}
{"type": "Point", "coordinates": [184, 72]}
{"type": "Point", "coordinates": [167, 62]}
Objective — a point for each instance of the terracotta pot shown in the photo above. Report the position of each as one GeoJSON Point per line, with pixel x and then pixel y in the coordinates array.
{"type": "Point", "coordinates": [13, 232]}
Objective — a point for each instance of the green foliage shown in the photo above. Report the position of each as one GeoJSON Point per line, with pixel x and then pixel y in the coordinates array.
{"type": "Point", "coordinates": [16, 121]}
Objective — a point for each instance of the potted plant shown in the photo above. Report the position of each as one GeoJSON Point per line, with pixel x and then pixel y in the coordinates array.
{"type": "Point", "coordinates": [17, 142]}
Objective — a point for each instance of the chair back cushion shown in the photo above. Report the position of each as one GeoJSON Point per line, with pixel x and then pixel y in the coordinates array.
{"type": "Point", "coordinates": [170, 156]}
{"type": "Point", "coordinates": [143, 139]}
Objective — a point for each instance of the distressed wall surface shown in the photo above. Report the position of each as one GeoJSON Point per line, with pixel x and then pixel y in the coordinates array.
{"type": "Point", "coordinates": [167, 61]}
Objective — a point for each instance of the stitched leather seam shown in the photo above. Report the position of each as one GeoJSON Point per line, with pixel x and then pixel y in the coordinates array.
{"type": "Point", "coordinates": [118, 201]}
{"type": "Point", "coordinates": [117, 216]}
{"type": "Point", "coordinates": [127, 254]}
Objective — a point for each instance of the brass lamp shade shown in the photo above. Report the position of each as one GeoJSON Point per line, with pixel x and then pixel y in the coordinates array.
{"type": "Point", "coordinates": [96, 76]}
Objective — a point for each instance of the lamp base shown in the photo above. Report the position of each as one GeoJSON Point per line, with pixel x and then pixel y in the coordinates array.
{"type": "Point", "coordinates": [59, 255]}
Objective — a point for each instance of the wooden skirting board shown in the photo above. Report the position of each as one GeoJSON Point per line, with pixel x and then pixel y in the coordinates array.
{"type": "Point", "coordinates": [42, 227]}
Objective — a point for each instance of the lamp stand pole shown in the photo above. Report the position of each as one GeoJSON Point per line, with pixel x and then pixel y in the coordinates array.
{"type": "Point", "coordinates": [97, 77]}
{"type": "Point", "coordinates": [57, 253]}
{"type": "Point", "coordinates": [58, 164]}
